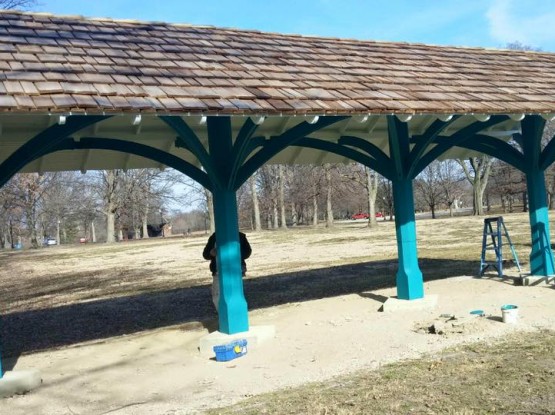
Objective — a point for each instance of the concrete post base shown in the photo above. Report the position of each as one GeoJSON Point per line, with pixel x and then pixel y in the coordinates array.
{"type": "Point", "coordinates": [393, 304]}
{"type": "Point", "coordinates": [255, 336]}
{"type": "Point", "coordinates": [528, 280]}
{"type": "Point", "coordinates": [19, 382]}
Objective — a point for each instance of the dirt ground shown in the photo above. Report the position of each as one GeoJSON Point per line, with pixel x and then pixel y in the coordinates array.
{"type": "Point", "coordinates": [120, 335]}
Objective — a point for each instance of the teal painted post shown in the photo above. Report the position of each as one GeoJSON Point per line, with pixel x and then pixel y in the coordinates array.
{"type": "Point", "coordinates": [541, 256]}
{"type": "Point", "coordinates": [233, 310]}
{"type": "Point", "coordinates": [410, 284]}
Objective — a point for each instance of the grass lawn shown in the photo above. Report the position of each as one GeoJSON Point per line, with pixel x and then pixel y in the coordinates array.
{"type": "Point", "coordinates": [93, 292]}
{"type": "Point", "coordinates": [515, 376]}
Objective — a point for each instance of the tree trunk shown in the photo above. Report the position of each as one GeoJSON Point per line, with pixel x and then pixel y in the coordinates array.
{"type": "Point", "coordinates": [282, 196]}
{"type": "Point", "coordinates": [372, 191]}
{"type": "Point", "coordinates": [120, 234]}
{"type": "Point", "coordinates": [433, 209]}
{"type": "Point", "coordinates": [294, 219]}
{"type": "Point", "coordinates": [110, 227]}
{"type": "Point", "coordinates": [525, 201]}
{"type": "Point", "coordinates": [256, 207]}
{"type": "Point", "coordinates": [210, 205]}
{"type": "Point", "coordinates": [329, 209]}
{"type": "Point", "coordinates": [477, 201]}
{"type": "Point", "coordinates": [93, 232]}
{"type": "Point", "coordinates": [31, 217]}
{"type": "Point", "coordinates": [276, 216]}
{"type": "Point", "coordinates": [145, 226]}
{"type": "Point", "coordinates": [481, 167]}
{"type": "Point", "coordinates": [315, 210]}
{"type": "Point", "coordinates": [58, 232]}
{"type": "Point", "coordinates": [110, 207]}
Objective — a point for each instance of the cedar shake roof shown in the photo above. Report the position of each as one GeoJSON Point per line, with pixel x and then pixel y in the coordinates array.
{"type": "Point", "coordinates": [69, 63]}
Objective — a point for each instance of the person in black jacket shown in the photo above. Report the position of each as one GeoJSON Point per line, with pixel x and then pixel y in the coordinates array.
{"type": "Point", "coordinates": [209, 253]}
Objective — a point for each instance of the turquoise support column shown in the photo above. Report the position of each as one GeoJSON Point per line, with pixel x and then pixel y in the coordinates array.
{"type": "Point", "coordinates": [410, 284]}
{"type": "Point", "coordinates": [541, 256]}
{"type": "Point", "coordinates": [233, 310]}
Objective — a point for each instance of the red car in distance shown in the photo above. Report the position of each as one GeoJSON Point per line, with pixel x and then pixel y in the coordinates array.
{"type": "Point", "coordinates": [361, 215]}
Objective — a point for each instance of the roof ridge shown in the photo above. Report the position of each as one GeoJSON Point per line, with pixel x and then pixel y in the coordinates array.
{"type": "Point", "coordinates": [269, 33]}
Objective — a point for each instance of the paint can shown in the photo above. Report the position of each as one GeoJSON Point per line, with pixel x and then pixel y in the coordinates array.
{"type": "Point", "coordinates": [510, 313]}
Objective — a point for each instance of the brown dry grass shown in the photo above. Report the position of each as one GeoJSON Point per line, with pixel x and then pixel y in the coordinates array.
{"type": "Point", "coordinates": [70, 292]}
{"type": "Point", "coordinates": [61, 296]}
{"type": "Point", "coordinates": [516, 376]}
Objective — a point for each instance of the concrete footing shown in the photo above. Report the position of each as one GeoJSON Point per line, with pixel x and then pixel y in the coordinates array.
{"type": "Point", "coordinates": [393, 304]}
{"type": "Point", "coordinates": [529, 280]}
{"type": "Point", "coordinates": [255, 336]}
{"type": "Point", "coordinates": [19, 382]}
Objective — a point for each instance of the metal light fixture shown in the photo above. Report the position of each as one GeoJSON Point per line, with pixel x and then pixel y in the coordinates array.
{"type": "Point", "coordinates": [445, 117]}
{"type": "Point", "coordinates": [312, 120]}
{"type": "Point", "coordinates": [404, 117]}
{"type": "Point", "coordinates": [482, 117]}
{"type": "Point", "coordinates": [516, 117]}
{"type": "Point", "coordinates": [258, 120]}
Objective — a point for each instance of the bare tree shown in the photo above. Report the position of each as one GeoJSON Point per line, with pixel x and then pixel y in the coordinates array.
{"type": "Point", "coordinates": [329, 188]}
{"type": "Point", "coordinates": [108, 190]}
{"type": "Point", "coordinates": [210, 210]}
{"type": "Point", "coordinates": [17, 4]}
{"type": "Point", "coordinates": [282, 196]}
{"type": "Point", "coordinates": [477, 171]}
{"type": "Point", "coordinates": [255, 205]}
{"type": "Point", "coordinates": [428, 187]}
{"type": "Point", "coordinates": [450, 179]}
{"type": "Point", "coordinates": [507, 184]}
{"type": "Point", "coordinates": [11, 215]}
{"type": "Point", "coordinates": [268, 185]}
{"type": "Point", "coordinates": [28, 192]}
{"type": "Point", "coordinates": [372, 192]}
{"type": "Point", "coordinates": [386, 190]}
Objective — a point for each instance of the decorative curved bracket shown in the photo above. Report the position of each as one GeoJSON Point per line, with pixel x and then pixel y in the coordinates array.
{"type": "Point", "coordinates": [278, 143]}
{"type": "Point", "coordinates": [495, 148]}
{"type": "Point", "coordinates": [344, 151]}
{"type": "Point", "coordinates": [129, 147]}
{"type": "Point", "coordinates": [189, 140]}
{"type": "Point", "coordinates": [455, 140]}
{"type": "Point", "coordinates": [425, 140]}
{"type": "Point", "coordinates": [42, 142]}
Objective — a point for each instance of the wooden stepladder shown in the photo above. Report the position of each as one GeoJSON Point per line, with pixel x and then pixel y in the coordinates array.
{"type": "Point", "coordinates": [492, 240]}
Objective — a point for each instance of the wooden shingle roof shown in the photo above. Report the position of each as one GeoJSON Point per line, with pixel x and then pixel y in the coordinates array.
{"type": "Point", "coordinates": [67, 63]}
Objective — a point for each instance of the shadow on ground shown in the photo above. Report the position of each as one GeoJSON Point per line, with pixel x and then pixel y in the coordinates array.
{"type": "Point", "coordinates": [30, 331]}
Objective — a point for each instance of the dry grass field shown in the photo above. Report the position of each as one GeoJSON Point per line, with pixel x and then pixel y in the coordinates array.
{"type": "Point", "coordinates": [59, 300]}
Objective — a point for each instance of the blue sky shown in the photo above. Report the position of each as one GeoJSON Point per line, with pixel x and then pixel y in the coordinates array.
{"type": "Point", "coordinates": [487, 23]}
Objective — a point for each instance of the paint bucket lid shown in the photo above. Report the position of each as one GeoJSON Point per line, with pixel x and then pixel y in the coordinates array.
{"type": "Point", "coordinates": [478, 312]}
{"type": "Point", "coordinates": [509, 307]}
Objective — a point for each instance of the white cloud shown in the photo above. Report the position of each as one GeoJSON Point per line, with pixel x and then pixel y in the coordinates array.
{"type": "Point", "coordinates": [530, 22]}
